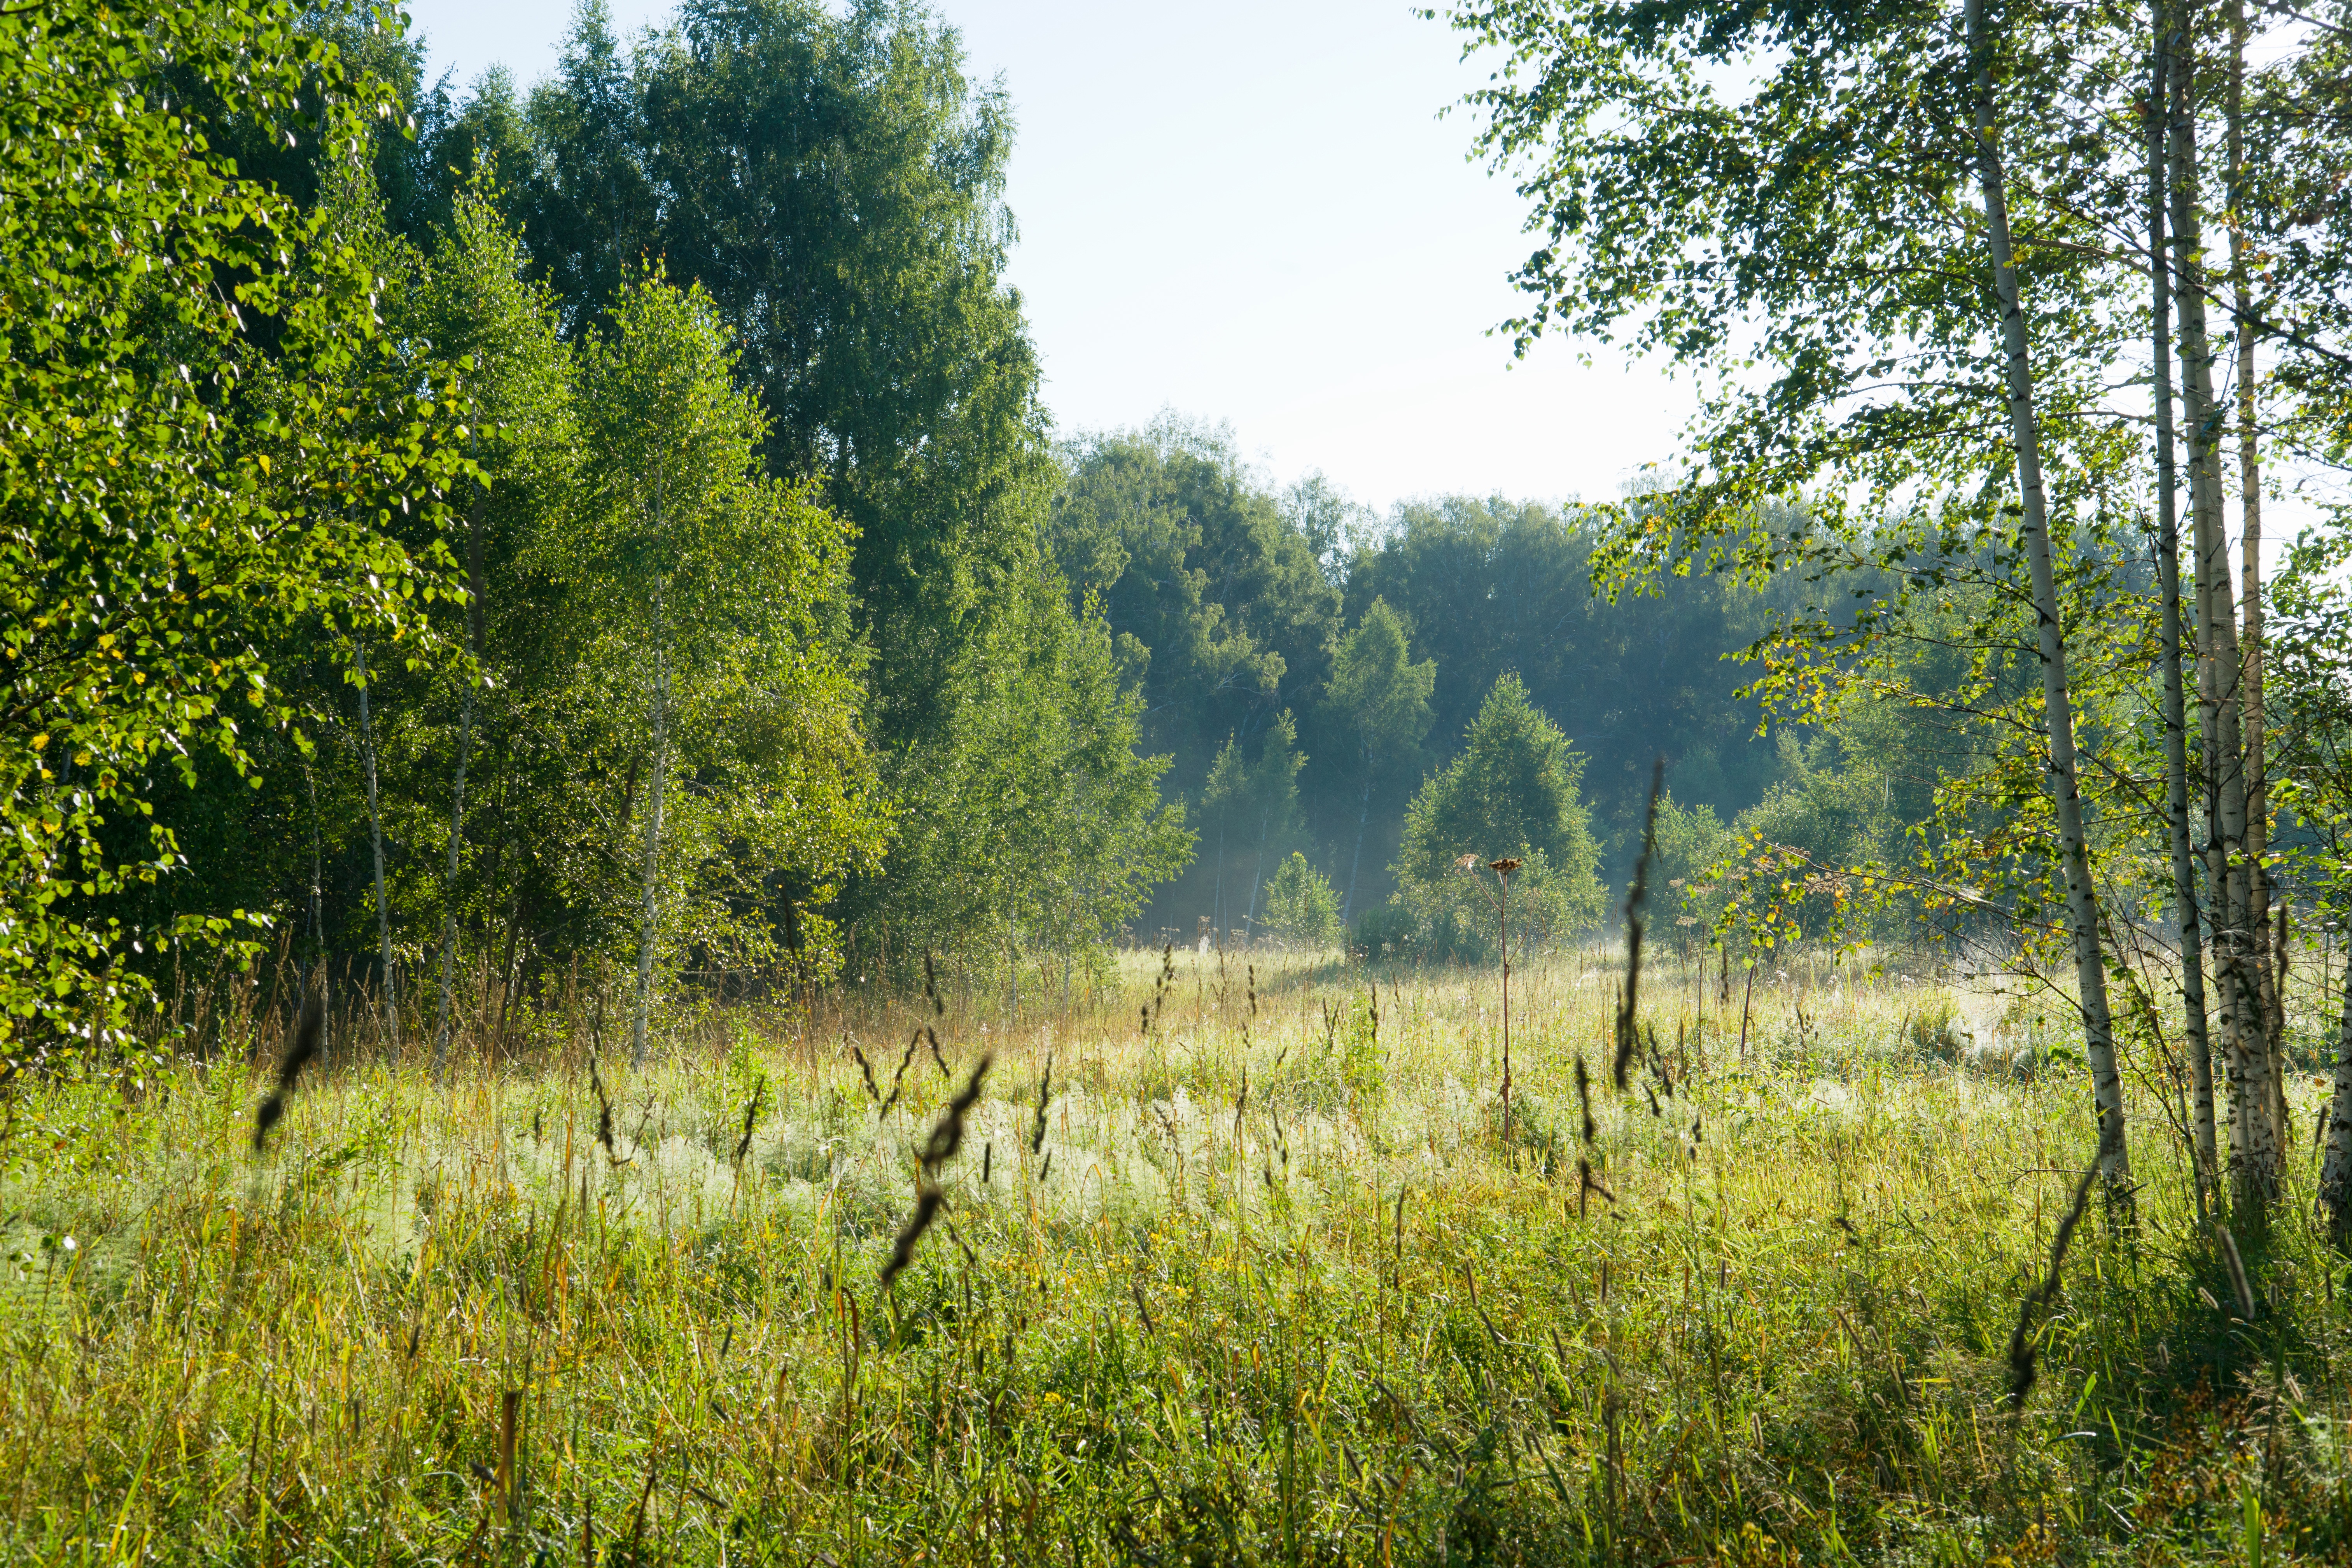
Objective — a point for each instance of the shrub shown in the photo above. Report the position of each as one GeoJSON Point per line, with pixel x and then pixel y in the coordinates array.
{"type": "Point", "coordinates": [1301, 907]}
{"type": "Point", "coordinates": [1385, 931]}
{"type": "Point", "coordinates": [1512, 791]}
{"type": "Point", "coordinates": [1935, 1030]}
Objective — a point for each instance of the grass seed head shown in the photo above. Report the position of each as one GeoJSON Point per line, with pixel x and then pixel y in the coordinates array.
{"type": "Point", "coordinates": [310, 1030]}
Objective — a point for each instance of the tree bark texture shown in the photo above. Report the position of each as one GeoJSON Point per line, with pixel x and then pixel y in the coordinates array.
{"type": "Point", "coordinates": [2253, 1125]}
{"type": "Point", "coordinates": [2250, 546]}
{"type": "Point", "coordinates": [2336, 1170]}
{"type": "Point", "coordinates": [2090, 969]}
{"type": "Point", "coordinates": [2207, 1150]}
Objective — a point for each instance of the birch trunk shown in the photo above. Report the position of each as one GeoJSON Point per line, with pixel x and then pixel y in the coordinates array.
{"type": "Point", "coordinates": [458, 791]}
{"type": "Point", "coordinates": [647, 922]}
{"type": "Point", "coordinates": [375, 842]}
{"type": "Point", "coordinates": [1257, 878]}
{"type": "Point", "coordinates": [319, 918]}
{"type": "Point", "coordinates": [2207, 1150]}
{"type": "Point", "coordinates": [1356, 864]}
{"type": "Point", "coordinates": [2082, 909]}
{"type": "Point", "coordinates": [2254, 1126]}
{"type": "Point", "coordinates": [2336, 1170]}
{"type": "Point", "coordinates": [2249, 491]}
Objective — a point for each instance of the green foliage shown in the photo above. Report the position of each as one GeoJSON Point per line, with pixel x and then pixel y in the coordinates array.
{"type": "Point", "coordinates": [2308, 672]}
{"type": "Point", "coordinates": [1692, 848]}
{"type": "Point", "coordinates": [1223, 604]}
{"type": "Point", "coordinates": [1380, 698]}
{"type": "Point", "coordinates": [1301, 907]}
{"type": "Point", "coordinates": [833, 182]}
{"type": "Point", "coordinates": [1842, 451]}
{"type": "Point", "coordinates": [1843, 318]}
{"type": "Point", "coordinates": [1250, 809]}
{"type": "Point", "coordinates": [1490, 588]}
{"type": "Point", "coordinates": [1384, 932]}
{"type": "Point", "coordinates": [1511, 792]}
{"type": "Point", "coordinates": [1033, 826]}
{"type": "Point", "coordinates": [210, 444]}
{"type": "Point", "coordinates": [714, 598]}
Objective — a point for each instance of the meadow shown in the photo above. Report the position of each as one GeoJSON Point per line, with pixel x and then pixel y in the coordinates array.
{"type": "Point", "coordinates": [1233, 1258]}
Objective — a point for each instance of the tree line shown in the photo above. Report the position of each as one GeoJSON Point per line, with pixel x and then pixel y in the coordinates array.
{"type": "Point", "coordinates": [659, 573]}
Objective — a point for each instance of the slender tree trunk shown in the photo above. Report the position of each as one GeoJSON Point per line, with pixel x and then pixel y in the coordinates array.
{"type": "Point", "coordinates": [1363, 815]}
{"type": "Point", "coordinates": [647, 923]}
{"type": "Point", "coordinates": [375, 841]}
{"type": "Point", "coordinates": [2081, 907]}
{"type": "Point", "coordinates": [2250, 490]}
{"type": "Point", "coordinates": [2336, 1170]}
{"type": "Point", "coordinates": [1258, 876]}
{"type": "Point", "coordinates": [2207, 1152]}
{"type": "Point", "coordinates": [319, 918]}
{"type": "Point", "coordinates": [2254, 1128]}
{"type": "Point", "coordinates": [1217, 896]}
{"type": "Point", "coordinates": [457, 793]}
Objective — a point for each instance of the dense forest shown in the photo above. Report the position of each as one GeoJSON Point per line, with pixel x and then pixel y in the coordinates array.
{"type": "Point", "coordinates": [731, 608]}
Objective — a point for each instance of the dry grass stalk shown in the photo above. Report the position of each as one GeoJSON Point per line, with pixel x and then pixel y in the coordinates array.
{"type": "Point", "coordinates": [1588, 1183]}
{"type": "Point", "coordinates": [946, 1139]}
{"type": "Point", "coordinates": [1045, 1093]}
{"type": "Point", "coordinates": [750, 1118]}
{"type": "Point", "coordinates": [898, 1078]}
{"type": "Point", "coordinates": [604, 1106]}
{"type": "Point", "coordinates": [308, 1032]}
{"type": "Point", "coordinates": [1636, 901]}
{"type": "Point", "coordinates": [2021, 1340]}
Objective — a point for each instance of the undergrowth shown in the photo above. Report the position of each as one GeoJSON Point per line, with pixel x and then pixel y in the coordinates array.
{"type": "Point", "coordinates": [1260, 1272]}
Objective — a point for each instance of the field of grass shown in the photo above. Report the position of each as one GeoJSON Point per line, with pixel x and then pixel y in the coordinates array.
{"type": "Point", "coordinates": [1259, 1271]}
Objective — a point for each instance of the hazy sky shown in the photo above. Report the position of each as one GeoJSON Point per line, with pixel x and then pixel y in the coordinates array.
{"type": "Point", "coordinates": [1250, 212]}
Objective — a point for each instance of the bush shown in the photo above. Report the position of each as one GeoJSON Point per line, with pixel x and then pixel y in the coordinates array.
{"type": "Point", "coordinates": [1385, 931]}
{"type": "Point", "coordinates": [1300, 907]}
{"type": "Point", "coordinates": [1454, 918]}
{"type": "Point", "coordinates": [1935, 1030]}
{"type": "Point", "coordinates": [1512, 791]}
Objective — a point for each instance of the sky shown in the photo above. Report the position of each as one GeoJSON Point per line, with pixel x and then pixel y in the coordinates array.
{"type": "Point", "coordinates": [1252, 213]}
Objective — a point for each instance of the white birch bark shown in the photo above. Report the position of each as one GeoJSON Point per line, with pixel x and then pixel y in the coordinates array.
{"type": "Point", "coordinates": [2176, 709]}
{"type": "Point", "coordinates": [2082, 908]}
{"type": "Point", "coordinates": [375, 842]}
{"type": "Point", "coordinates": [2253, 1124]}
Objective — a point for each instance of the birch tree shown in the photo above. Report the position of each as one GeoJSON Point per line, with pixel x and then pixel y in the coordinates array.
{"type": "Point", "coordinates": [1783, 199]}
{"type": "Point", "coordinates": [2186, 914]}
{"type": "Point", "coordinates": [718, 602]}
{"type": "Point", "coordinates": [2254, 1130]}
{"type": "Point", "coordinates": [2082, 896]}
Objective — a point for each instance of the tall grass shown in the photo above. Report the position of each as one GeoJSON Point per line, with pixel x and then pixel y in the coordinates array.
{"type": "Point", "coordinates": [1258, 1273]}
